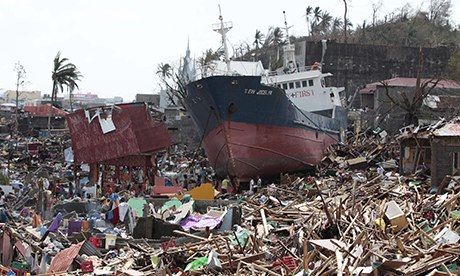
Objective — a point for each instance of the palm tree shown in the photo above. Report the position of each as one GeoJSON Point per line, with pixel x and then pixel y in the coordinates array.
{"type": "Point", "coordinates": [325, 23]}
{"type": "Point", "coordinates": [316, 19]}
{"type": "Point", "coordinates": [317, 14]}
{"type": "Point", "coordinates": [308, 12]}
{"type": "Point", "coordinates": [277, 40]}
{"type": "Point", "coordinates": [336, 26]}
{"type": "Point", "coordinates": [258, 41]}
{"type": "Point", "coordinates": [64, 74]}
{"type": "Point", "coordinates": [208, 56]}
{"type": "Point", "coordinates": [164, 70]}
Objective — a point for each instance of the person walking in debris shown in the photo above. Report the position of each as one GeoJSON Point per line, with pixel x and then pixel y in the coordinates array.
{"type": "Point", "coordinates": [237, 184]}
{"type": "Point", "coordinates": [2, 198]}
{"type": "Point", "coordinates": [4, 215]}
{"type": "Point", "coordinates": [252, 186]}
{"type": "Point", "coordinates": [224, 185]}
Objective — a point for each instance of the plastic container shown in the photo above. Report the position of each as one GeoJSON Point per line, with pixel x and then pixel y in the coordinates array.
{"type": "Point", "coordinates": [110, 240]}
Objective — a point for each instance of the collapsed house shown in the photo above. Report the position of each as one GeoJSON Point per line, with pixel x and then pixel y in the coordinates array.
{"type": "Point", "coordinates": [39, 115]}
{"type": "Point", "coordinates": [434, 148]}
{"type": "Point", "coordinates": [122, 137]}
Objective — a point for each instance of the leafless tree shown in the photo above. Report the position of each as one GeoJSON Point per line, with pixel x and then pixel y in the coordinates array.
{"type": "Point", "coordinates": [20, 81]}
{"type": "Point", "coordinates": [411, 104]}
{"type": "Point", "coordinates": [375, 9]}
{"type": "Point", "coordinates": [440, 11]}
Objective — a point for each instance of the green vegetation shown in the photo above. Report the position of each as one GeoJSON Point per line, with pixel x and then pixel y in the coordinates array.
{"type": "Point", "coordinates": [454, 66]}
{"type": "Point", "coordinates": [404, 26]}
{"type": "Point", "coordinates": [4, 180]}
{"type": "Point", "coordinates": [64, 74]}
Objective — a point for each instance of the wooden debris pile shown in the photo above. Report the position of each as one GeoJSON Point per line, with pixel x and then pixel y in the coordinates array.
{"type": "Point", "coordinates": [377, 224]}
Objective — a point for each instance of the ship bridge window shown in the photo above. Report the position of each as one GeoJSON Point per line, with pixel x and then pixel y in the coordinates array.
{"type": "Point", "coordinates": [285, 86]}
{"type": "Point", "coordinates": [291, 85]}
{"type": "Point", "coordinates": [304, 83]}
{"type": "Point", "coordinates": [310, 82]}
{"type": "Point", "coordinates": [297, 84]}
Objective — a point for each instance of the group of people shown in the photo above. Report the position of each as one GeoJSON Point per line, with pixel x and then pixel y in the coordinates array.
{"type": "Point", "coordinates": [236, 187]}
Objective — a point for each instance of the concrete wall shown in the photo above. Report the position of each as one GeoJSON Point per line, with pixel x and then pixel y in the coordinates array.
{"type": "Point", "coordinates": [182, 128]}
{"type": "Point", "coordinates": [442, 154]}
{"type": "Point", "coordinates": [10, 95]}
{"type": "Point", "coordinates": [354, 65]}
{"type": "Point", "coordinates": [149, 98]}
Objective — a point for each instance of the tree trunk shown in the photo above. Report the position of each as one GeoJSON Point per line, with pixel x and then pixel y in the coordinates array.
{"type": "Point", "coordinates": [17, 106]}
{"type": "Point", "coordinates": [51, 109]}
{"type": "Point", "coordinates": [70, 101]}
{"type": "Point", "coordinates": [345, 23]}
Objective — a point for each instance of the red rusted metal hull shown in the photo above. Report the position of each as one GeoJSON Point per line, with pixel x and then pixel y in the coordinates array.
{"type": "Point", "coordinates": [245, 150]}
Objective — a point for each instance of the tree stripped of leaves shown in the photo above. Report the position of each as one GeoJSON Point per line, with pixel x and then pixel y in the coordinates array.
{"type": "Point", "coordinates": [173, 82]}
{"type": "Point", "coordinates": [411, 104]}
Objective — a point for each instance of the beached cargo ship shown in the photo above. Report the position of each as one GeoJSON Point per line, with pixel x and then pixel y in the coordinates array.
{"type": "Point", "coordinates": [255, 122]}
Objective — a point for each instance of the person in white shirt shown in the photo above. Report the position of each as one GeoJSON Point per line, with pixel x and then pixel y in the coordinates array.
{"type": "Point", "coordinates": [252, 185]}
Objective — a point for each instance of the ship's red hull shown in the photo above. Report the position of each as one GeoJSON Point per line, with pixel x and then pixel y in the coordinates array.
{"type": "Point", "coordinates": [246, 150]}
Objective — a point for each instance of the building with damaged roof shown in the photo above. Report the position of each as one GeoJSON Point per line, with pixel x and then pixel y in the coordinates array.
{"type": "Point", "coordinates": [435, 148]}
{"type": "Point", "coordinates": [383, 100]}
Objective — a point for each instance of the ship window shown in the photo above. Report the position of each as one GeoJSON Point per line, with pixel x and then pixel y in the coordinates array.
{"type": "Point", "coordinates": [304, 83]}
{"type": "Point", "coordinates": [297, 84]}
{"type": "Point", "coordinates": [291, 85]}
{"type": "Point", "coordinates": [285, 86]}
{"type": "Point", "coordinates": [310, 82]}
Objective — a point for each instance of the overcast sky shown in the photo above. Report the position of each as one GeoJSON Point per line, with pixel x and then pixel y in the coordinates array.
{"type": "Point", "coordinates": [117, 45]}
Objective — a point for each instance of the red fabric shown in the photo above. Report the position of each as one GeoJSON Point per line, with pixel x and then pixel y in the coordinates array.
{"type": "Point", "coordinates": [116, 216]}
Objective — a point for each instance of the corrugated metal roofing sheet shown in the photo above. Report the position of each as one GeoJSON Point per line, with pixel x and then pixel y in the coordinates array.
{"type": "Point", "coordinates": [136, 132]}
{"type": "Point", "coordinates": [62, 261]}
{"type": "Point", "coordinates": [44, 110]}
{"type": "Point", "coordinates": [450, 129]}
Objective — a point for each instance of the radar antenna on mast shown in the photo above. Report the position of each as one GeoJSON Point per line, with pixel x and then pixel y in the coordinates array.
{"type": "Point", "coordinates": [222, 28]}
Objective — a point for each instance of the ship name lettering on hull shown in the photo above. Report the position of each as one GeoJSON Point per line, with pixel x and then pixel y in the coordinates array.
{"type": "Point", "coordinates": [301, 94]}
{"type": "Point", "coordinates": [261, 92]}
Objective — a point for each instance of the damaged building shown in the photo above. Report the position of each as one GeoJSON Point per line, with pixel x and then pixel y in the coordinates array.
{"type": "Point", "coordinates": [115, 138]}
{"type": "Point", "coordinates": [381, 101]}
{"type": "Point", "coordinates": [434, 149]}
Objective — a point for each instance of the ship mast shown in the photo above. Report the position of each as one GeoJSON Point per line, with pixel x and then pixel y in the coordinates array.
{"type": "Point", "coordinates": [222, 28]}
{"type": "Point", "coordinates": [289, 50]}
{"type": "Point", "coordinates": [286, 28]}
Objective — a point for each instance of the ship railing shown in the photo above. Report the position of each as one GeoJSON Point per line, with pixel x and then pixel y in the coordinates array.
{"type": "Point", "coordinates": [299, 69]}
{"type": "Point", "coordinates": [210, 70]}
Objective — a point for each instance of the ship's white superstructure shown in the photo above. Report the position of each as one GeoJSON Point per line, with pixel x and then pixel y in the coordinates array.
{"type": "Point", "coordinates": [304, 86]}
